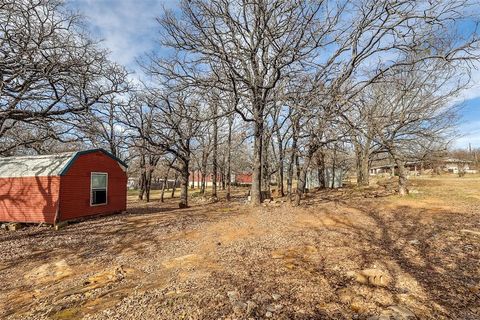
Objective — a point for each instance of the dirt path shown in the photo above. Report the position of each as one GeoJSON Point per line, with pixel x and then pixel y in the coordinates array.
{"type": "Point", "coordinates": [338, 256]}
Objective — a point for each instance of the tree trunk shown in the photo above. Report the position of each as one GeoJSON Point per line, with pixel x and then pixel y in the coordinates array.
{"type": "Point", "coordinates": [148, 184]}
{"type": "Point", "coordinates": [203, 171]}
{"type": "Point", "coordinates": [290, 176]}
{"type": "Point", "coordinates": [224, 174]}
{"type": "Point", "coordinates": [334, 164]}
{"type": "Point", "coordinates": [215, 154]}
{"type": "Point", "coordinates": [281, 191]}
{"type": "Point", "coordinates": [362, 164]}
{"type": "Point", "coordinates": [257, 163]}
{"type": "Point", "coordinates": [265, 164]}
{"type": "Point", "coordinates": [198, 179]}
{"type": "Point", "coordinates": [402, 179]}
{"type": "Point", "coordinates": [302, 178]}
{"type": "Point", "coordinates": [142, 178]}
{"type": "Point", "coordinates": [164, 185]}
{"type": "Point", "coordinates": [321, 170]}
{"type": "Point", "coordinates": [174, 185]}
{"type": "Point", "coordinates": [152, 164]}
{"type": "Point", "coordinates": [162, 194]}
{"type": "Point", "coordinates": [184, 174]}
{"type": "Point", "coordinates": [202, 187]}
{"type": "Point", "coordinates": [292, 161]}
{"type": "Point", "coordinates": [229, 158]}
{"type": "Point", "coordinates": [300, 186]}
{"type": "Point", "coordinates": [365, 170]}
{"type": "Point", "coordinates": [141, 185]}
{"type": "Point", "coordinates": [297, 167]}
{"type": "Point", "coordinates": [224, 185]}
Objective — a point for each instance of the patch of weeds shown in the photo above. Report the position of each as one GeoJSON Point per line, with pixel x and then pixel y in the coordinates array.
{"type": "Point", "coordinates": [66, 313]}
{"type": "Point", "coordinates": [195, 194]}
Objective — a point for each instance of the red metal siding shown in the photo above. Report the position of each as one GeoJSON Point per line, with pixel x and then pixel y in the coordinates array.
{"type": "Point", "coordinates": [197, 175]}
{"type": "Point", "coordinates": [29, 199]}
{"type": "Point", "coordinates": [243, 178]}
{"type": "Point", "coordinates": [75, 187]}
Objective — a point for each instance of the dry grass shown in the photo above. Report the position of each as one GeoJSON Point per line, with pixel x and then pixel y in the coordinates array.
{"type": "Point", "coordinates": [342, 254]}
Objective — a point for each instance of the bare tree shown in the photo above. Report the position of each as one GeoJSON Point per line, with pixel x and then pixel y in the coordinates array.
{"type": "Point", "coordinates": [49, 69]}
{"type": "Point", "coordinates": [413, 113]}
{"type": "Point", "coordinates": [166, 120]}
{"type": "Point", "coordinates": [252, 48]}
{"type": "Point", "coordinates": [254, 44]}
{"type": "Point", "coordinates": [102, 126]}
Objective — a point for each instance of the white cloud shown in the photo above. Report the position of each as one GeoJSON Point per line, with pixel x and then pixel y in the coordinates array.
{"type": "Point", "coordinates": [470, 132]}
{"type": "Point", "coordinates": [127, 27]}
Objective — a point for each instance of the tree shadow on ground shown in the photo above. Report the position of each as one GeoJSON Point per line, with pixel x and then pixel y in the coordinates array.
{"type": "Point", "coordinates": [409, 242]}
{"type": "Point", "coordinates": [418, 245]}
{"type": "Point", "coordinates": [433, 267]}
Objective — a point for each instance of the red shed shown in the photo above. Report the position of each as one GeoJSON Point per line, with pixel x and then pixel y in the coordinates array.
{"type": "Point", "coordinates": [243, 178]}
{"type": "Point", "coordinates": [66, 186]}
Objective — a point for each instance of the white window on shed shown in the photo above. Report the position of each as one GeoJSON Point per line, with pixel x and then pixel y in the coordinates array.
{"type": "Point", "coordinates": [98, 188]}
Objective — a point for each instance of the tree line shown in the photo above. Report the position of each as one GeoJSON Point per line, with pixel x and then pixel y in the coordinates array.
{"type": "Point", "coordinates": [279, 88]}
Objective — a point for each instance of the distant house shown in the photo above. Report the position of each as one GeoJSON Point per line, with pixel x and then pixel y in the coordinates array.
{"type": "Point", "coordinates": [59, 187]}
{"type": "Point", "coordinates": [457, 165]}
{"type": "Point", "coordinates": [415, 167]}
{"type": "Point", "coordinates": [383, 169]}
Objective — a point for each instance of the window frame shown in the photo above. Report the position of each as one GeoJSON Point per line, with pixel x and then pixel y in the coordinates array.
{"type": "Point", "coordinates": [91, 189]}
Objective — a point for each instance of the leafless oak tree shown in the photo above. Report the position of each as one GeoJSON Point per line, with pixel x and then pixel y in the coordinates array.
{"type": "Point", "coordinates": [49, 69]}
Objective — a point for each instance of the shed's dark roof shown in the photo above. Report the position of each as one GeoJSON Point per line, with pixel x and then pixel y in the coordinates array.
{"type": "Point", "coordinates": [43, 165]}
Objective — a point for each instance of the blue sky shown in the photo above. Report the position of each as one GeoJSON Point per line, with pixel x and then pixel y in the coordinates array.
{"type": "Point", "coordinates": [470, 122]}
{"type": "Point", "coordinates": [128, 29]}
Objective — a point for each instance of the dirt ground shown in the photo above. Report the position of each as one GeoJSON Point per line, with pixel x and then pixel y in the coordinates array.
{"type": "Point", "coordinates": [343, 254]}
